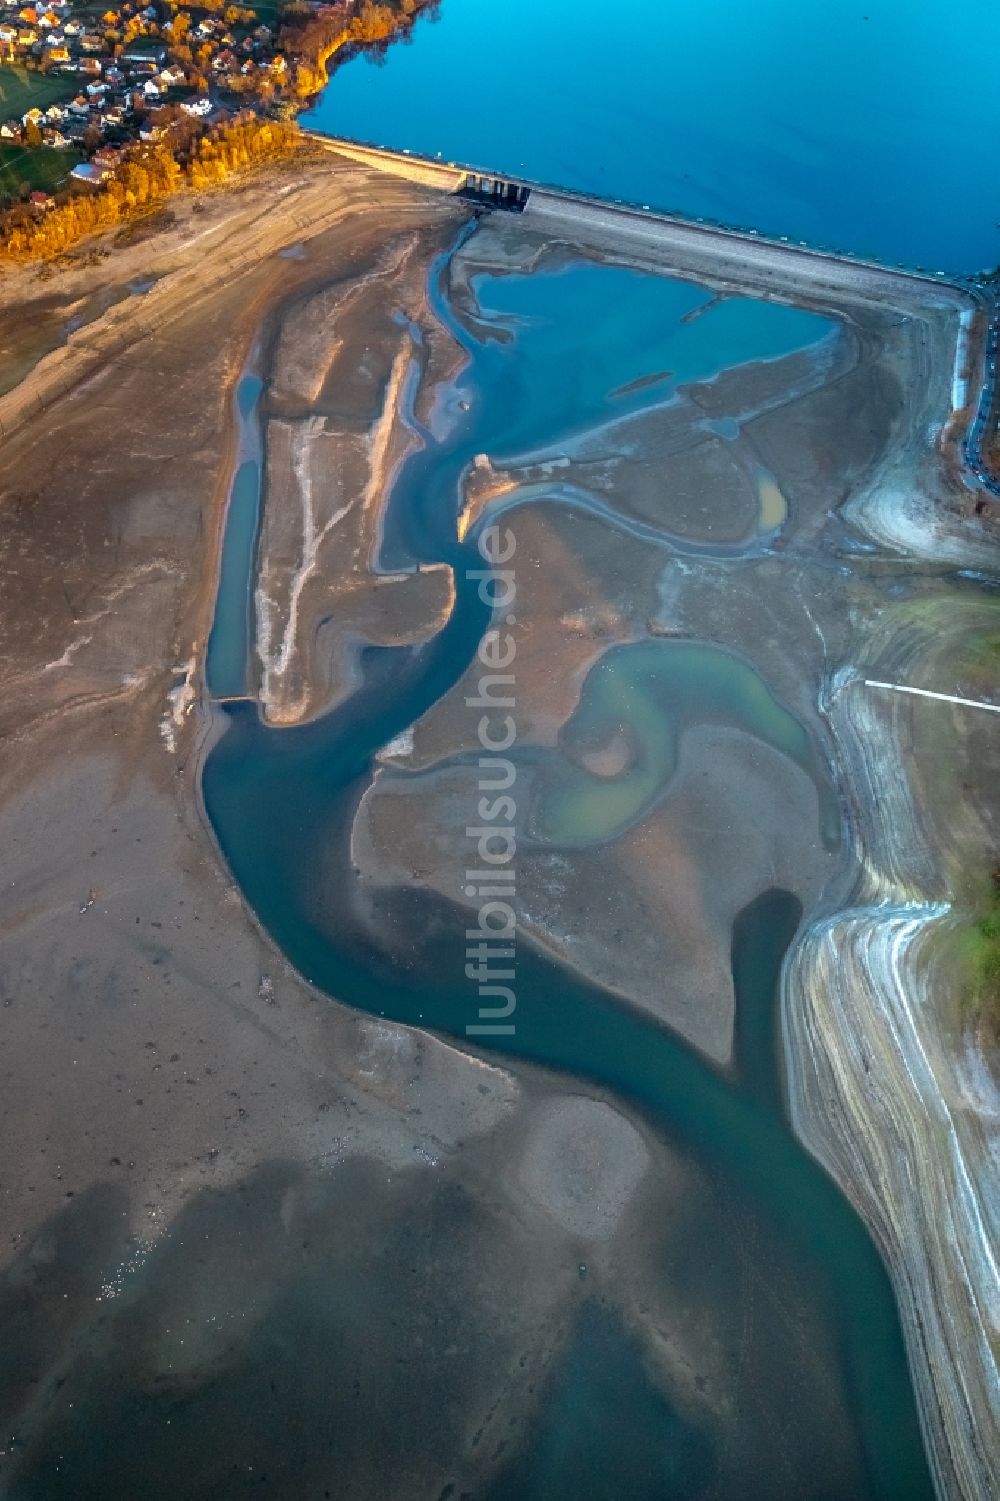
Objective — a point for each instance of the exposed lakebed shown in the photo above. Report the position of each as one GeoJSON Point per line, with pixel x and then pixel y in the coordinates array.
{"type": "Point", "coordinates": [651, 941]}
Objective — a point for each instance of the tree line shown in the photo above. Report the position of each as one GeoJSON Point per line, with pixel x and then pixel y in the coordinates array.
{"type": "Point", "coordinates": [142, 180]}
{"type": "Point", "coordinates": [198, 157]}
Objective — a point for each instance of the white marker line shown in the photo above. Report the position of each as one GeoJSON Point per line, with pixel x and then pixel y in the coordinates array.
{"type": "Point", "coordinates": [946, 698]}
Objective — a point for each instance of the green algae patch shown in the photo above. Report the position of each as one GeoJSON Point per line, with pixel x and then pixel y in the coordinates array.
{"type": "Point", "coordinates": [647, 695]}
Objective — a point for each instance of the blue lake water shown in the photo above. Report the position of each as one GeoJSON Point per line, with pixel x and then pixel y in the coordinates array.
{"type": "Point", "coordinates": [566, 348]}
{"type": "Point", "coordinates": [644, 327]}
{"type": "Point", "coordinates": [867, 126]}
{"type": "Point", "coordinates": [227, 655]}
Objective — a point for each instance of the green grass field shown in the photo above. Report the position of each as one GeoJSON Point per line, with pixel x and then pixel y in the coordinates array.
{"type": "Point", "coordinates": [267, 11]}
{"type": "Point", "coordinates": [41, 168]}
{"type": "Point", "coordinates": [21, 90]}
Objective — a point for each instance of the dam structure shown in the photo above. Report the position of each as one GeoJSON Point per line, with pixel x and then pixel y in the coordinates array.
{"type": "Point", "coordinates": [639, 221]}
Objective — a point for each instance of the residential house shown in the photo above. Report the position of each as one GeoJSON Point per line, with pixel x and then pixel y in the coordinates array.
{"type": "Point", "coordinates": [88, 173]}
{"type": "Point", "coordinates": [146, 52]}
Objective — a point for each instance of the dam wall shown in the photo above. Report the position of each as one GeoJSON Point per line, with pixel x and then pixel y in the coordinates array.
{"type": "Point", "coordinates": [662, 239]}
{"type": "Point", "coordinates": [600, 221]}
{"type": "Point", "coordinates": [421, 169]}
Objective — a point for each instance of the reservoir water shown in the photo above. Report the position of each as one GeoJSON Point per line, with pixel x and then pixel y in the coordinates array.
{"type": "Point", "coordinates": [769, 1242]}
{"type": "Point", "coordinates": [569, 347]}
{"type": "Point", "coordinates": [867, 127]}
{"type": "Point", "coordinates": [228, 649]}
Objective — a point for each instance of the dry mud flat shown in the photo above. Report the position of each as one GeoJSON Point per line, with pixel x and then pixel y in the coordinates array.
{"type": "Point", "coordinates": [187, 1128]}
{"type": "Point", "coordinates": [167, 1082]}
{"type": "Point", "coordinates": [190, 1128]}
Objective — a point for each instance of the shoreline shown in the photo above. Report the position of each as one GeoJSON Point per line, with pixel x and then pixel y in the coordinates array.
{"type": "Point", "coordinates": [781, 267]}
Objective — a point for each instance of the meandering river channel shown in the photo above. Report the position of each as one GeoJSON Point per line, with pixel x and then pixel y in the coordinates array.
{"type": "Point", "coordinates": [282, 802]}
